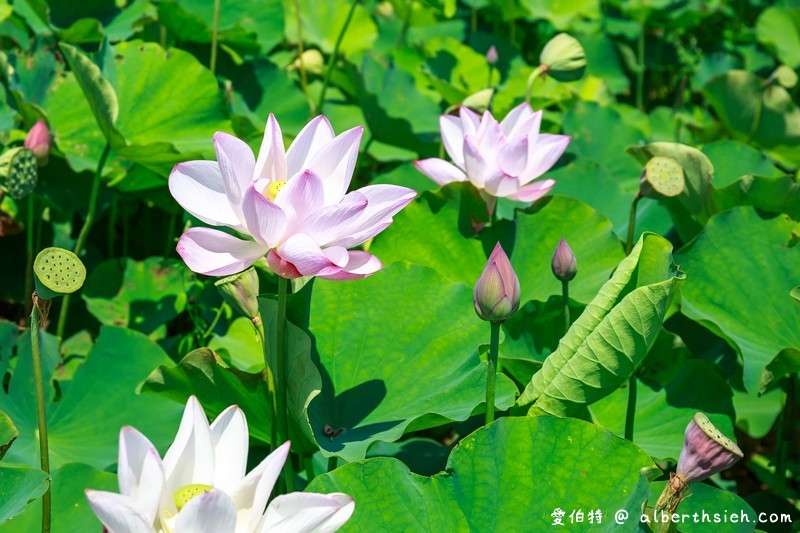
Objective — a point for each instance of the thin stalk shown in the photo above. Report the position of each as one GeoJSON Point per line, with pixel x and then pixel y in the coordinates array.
{"type": "Point", "coordinates": [41, 412]}
{"type": "Point", "coordinates": [308, 464]}
{"type": "Point", "coordinates": [332, 463]}
{"type": "Point", "coordinates": [632, 224]}
{"type": "Point", "coordinates": [640, 67]}
{"type": "Point", "coordinates": [492, 372]}
{"type": "Point", "coordinates": [210, 329]}
{"type": "Point", "coordinates": [112, 222]}
{"type": "Point", "coordinates": [84, 234]}
{"type": "Point", "coordinates": [473, 18]}
{"type": "Point", "coordinates": [301, 64]}
{"type": "Point", "coordinates": [531, 79]}
{"type": "Point", "coordinates": [631, 411]}
{"type": "Point", "coordinates": [786, 432]}
{"type": "Point", "coordinates": [212, 64]}
{"type": "Point", "coordinates": [401, 36]}
{"type": "Point", "coordinates": [269, 378]}
{"type": "Point", "coordinates": [334, 57]}
{"type": "Point", "coordinates": [491, 72]}
{"type": "Point", "coordinates": [280, 379]}
{"type": "Point", "coordinates": [29, 249]}
{"type": "Point", "coordinates": [512, 23]}
{"type": "Point", "coordinates": [565, 304]}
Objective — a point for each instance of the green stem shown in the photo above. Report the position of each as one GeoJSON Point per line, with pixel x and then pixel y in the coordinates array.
{"type": "Point", "coordinates": [29, 236]}
{"type": "Point", "coordinates": [334, 57]}
{"type": "Point", "coordinates": [281, 381]}
{"type": "Point", "coordinates": [473, 18]}
{"type": "Point", "coordinates": [491, 72]}
{"type": "Point", "coordinates": [80, 243]}
{"type": "Point", "coordinates": [269, 378]}
{"type": "Point", "coordinates": [332, 463]}
{"type": "Point", "coordinates": [532, 78]}
{"type": "Point", "coordinates": [640, 67]}
{"type": "Point", "coordinates": [308, 463]}
{"type": "Point", "coordinates": [492, 372]}
{"type": "Point", "coordinates": [512, 23]}
{"type": "Point", "coordinates": [212, 64]}
{"type": "Point", "coordinates": [632, 224]}
{"type": "Point", "coordinates": [631, 412]}
{"type": "Point", "coordinates": [301, 64]}
{"type": "Point", "coordinates": [112, 221]}
{"type": "Point", "coordinates": [210, 329]}
{"type": "Point", "coordinates": [41, 412]}
{"type": "Point", "coordinates": [786, 432]}
{"type": "Point", "coordinates": [565, 303]}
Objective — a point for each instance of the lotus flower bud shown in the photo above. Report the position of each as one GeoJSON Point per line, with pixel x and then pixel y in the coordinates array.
{"type": "Point", "coordinates": [706, 451]}
{"type": "Point", "coordinates": [564, 264]}
{"type": "Point", "coordinates": [38, 140]}
{"type": "Point", "coordinates": [311, 60]}
{"type": "Point", "coordinates": [785, 76]}
{"type": "Point", "coordinates": [240, 291]}
{"type": "Point", "coordinates": [563, 58]}
{"type": "Point", "coordinates": [491, 56]}
{"type": "Point", "coordinates": [496, 295]}
{"type": "Point", "coordinates": [480, 100]}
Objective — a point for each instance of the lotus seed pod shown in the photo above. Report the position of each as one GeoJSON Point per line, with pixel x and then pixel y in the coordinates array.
{"type": "Point", "coordinates": [491, 56]}
{"type": "Point", "coordinates": [240, 291]}
{"type": "Point", "coordinates": [564, 264]}
{"type": "Point", "coordinates": [785, 76]}
{"type": "Point", "coordinates": [563, 58]}
{"type": "Point", "coordinates": [187, 493]}
{"type": "Point", "coordinates": [662, 177]}
{"type": "Point", "coordinates": [38, 140]}
{"type": "Point", "coordinates": [496, 295]}
{"type": "Point", "coordinates": [57, 271]}
{"type": "Point", "coordinates": [479, 101]}
{"type": "Point", "coordinates": [706, 451]}
{"type": "Point", "coordinates": [20, 169]}
{"type": "Point", "coordinates": [311, 60]}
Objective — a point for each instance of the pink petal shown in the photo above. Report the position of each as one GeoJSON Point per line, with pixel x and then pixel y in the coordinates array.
{"type": "Point", "coordinates": [118, 513]}
{"type": "Point", "coordinates": [359, 265]}
{"type": "Point", "coordinates": [306, 256]}
{"type": "Point", "coordinates": [470, 120]}
{"type": "Point", "coordinates": [301, 512]}
{"type": "Point", "coordinates": [236, 163]}
{"type": "Point", "coordinates": [281, 266]}
{"type": "Point", "coordinates": [301, 197]}
{"type": "Point", "coordinates": [266, 222]}
{"type": "Point", "coordinates": [214, 253]}
{"type": "Point", "coordinates": [338, 255]}
{"type": "Point", "coordinates": [543, 154]}
{"type": "Point", "coordinates": [533, 191]}
{"type": "Point", "coordinates": [330, 222]}
{"type": "Point", "coordinates": [271, 163]}
{"type": "Point", "coordinates": [440, 170]}
{"type": "Point", "coordinates": [502, 185]}
{"type": "Point", "coordinates": [309, 141]}
{"type": "Point", "coordinates": [250, 498]}
{"type": "Point", "coordinates": [452, 138]}
{"type": "Point", "coordinates": [335, 163]}
{"type": "Point", "coordinates": [517, 121]}
{"type": "Point", "coordinates": [383, 202]}
{"type": "Point", "coordinates": [513, 157]}
{"type": "Point", "coordinates": [231, 442]}
{"type": "Point", "coordinates": [211, 512]}
{"type": "Point", "coordinates": [478, 168]}
{"type": "Point", "coordinates": [140, 472]}
{"type": "Point", "coordinates": [489, 137]}
{"type": "Point", "coordinates": [197, 187]}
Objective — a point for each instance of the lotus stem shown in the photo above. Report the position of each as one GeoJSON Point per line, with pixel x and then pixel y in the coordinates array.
{"type": "Point", "coordinates": [538, 71]}
{"type": "Point", "coordinates": [565, 304]}
{"type": "Point", "coordinates": [334, 57]}
{"type": "Point", "coordinates": [630, 415]}
{"type": "Point", "coordinates": [212, 64]}
{"type": "Point", "coordinates": [84, 234]}
{"type": "Point", "coordinates": [332, 463]}
{"type": "Point", "coordinates": [308, 462]}
{"type": "Point", "coordinates": [112, 221]}
{"type": "Point", "coordinates": [640, 67]}
{"type": "Point", "coordinates": [41, 412]}
{"type": "Point", "coordinates": [473, 18]}
{"type": "Point", "coordinates": [632, 224]}
{"type": "Point", "coordinates": [300, 49]}
{"type": "Point", "coordinates": [785, 434]}
{"type": "Point", "coordinates": [29, 237]}
{"type": "Point", "coordinates": [269, 379]}
{"type": "Point", "coordinates": [512, 23]}
{"type": "Point", "coordinates": [281, 381]}
{"type": "Point", "coordinates": [491, 374]}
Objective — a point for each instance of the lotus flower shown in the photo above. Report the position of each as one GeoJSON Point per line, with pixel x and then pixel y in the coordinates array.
{"type": "Point", "coordinates": [496, 293]}
{"type": "Point", "coordinates": [564, 264]}
{"type": "Point", "coordinates": [201, 486]}
{"type": "Point", "coordinates": [38, 140]}
{"type": "Point", "coordinates": [500, 159]}
{"type": "Point", "coordinates": [293, 205]}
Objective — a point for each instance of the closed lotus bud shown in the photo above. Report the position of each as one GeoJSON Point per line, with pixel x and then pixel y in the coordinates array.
{"type": "Point", "coordinates": [491, 56]}
{"type": "Point", "coordinates": [706, 451]}
{"type": "Point", "coordinates": [496, 295]}
{"type": "Point", "coordinates": [564, 264]}
{"type": "Point", "coordinates": [38, 140]}
{"type": "Point", "coordinates": [240, 291]}
{"type": "Point", "coordinates": [785, 76]}
{"type": "Point", "coordinates": [311, 60]}
{"type": "Point", "coordinates": [480, 100]}
{"type": "Point", "coordinates": [563, 58]}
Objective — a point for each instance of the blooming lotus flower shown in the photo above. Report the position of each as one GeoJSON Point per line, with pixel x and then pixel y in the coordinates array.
{"type": "Point", "coordinates": [500, 159]}
{"type": "Point", "coordinates": [293, 205]}
{"type": "Point", "coordinates": [496, 293]}
{"type": "Point", "coordinates": [201, 486]}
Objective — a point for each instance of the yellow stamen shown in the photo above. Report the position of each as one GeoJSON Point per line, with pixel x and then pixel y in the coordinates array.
{"type": "Point", "coordinates": [187, 493]}
{"type": "Point", "coordinates": [274, 188]}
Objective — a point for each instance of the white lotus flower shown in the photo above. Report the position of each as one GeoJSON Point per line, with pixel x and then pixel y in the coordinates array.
{"type": "Point", "coordinates": [201, 486]}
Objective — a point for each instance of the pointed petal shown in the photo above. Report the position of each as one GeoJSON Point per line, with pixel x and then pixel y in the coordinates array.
{"type": "Point", "coordinates": [333, 221]}
{"type": "Point", "coordinates": [513, 157]}
{"type": "Point", "coordinates": [231, 442]}
{"type": "Point", "coordinates": [478, 168]}
{"type": "Point", "coordinates": [335, 162]}
{"type": "Point", "coordinates": [214, 253]}
{"type": "Point", "coordinates": [533, 191]}
{"type": "Point", "coordinates": [197, 187]}
{"type": "Point", "coordinates": [383, 202]}
{"type": "Point", "coordinates": [250, 498]}
{"type": "Point", "coordinates": [453, 138]}
{"type": "Point", "coordinates": [117, 512]}
{"type": "Point", "coordinates": [490, 136]}
{"type": "Point", "coordinates": [308, 142]}
{"type": "Point", "coordinates": [516, 118]}
{"type": "Point", "coordinates": [440, 170]}
{"type": "Point", "coordinates": [470, 120]}
{"type": "Point", "coordinates": [359, 265]}
{"type": "Point", "coordinates": [211, 512]}
{"type": "Point", "coordinates": [301, 512]}
{"type": "Point", "coordinates": [265, 221]}
{"type": "Point", "coordinates": [236, 163]}
{"type": "Point", "coordinates": [271, 162]}
{"type": "Point", "coordinates": [140, 472]}
{"type": "Point", "coordinates": [502, 185]}
{"type": "Point", "coordinates": [305, 254]}
{"type": "Point", "coordinates": [302, 196]}
{"type": "Point", "coordinates": [190, 458]}
{"type": "Point", "coordinates": [543, 155]}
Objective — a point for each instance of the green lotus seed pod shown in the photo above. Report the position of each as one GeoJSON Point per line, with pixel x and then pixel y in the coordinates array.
{"type": "Point", "coordinates": [187, 493]}
{"type": "Point", "coordinates": [57, 271]}
{"type": "Point", "coordinates": [785, 76]}
{"type": "Point", "coordinates": [662, 177]}
{"type": "Point", "coordinates": [563, 58]}
{"type": "Point", "coordinates": [240, 291]}
{"type": "Point", "coordinates": [21, 171]}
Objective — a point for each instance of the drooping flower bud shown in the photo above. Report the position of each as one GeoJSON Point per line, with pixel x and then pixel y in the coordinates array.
{"type": "Point", "coordinates": [563, 58]}
{"type": "Point", "coordinates": [38, 140]}
{"type": "Point", "coordinates": [240, 291]}
{"type": "Point", "coordinates": [491, 56]}
{"type": "Point", "coordinates": [785, 76]}
{"type": "Point", "coordinates": [496, 294]}
{"type": "Point", "coordinates": [706, 451]}
{"type": "Point", "coordinates": [564, 264]}
{"type": "Point", "coordinates": [311, 60]}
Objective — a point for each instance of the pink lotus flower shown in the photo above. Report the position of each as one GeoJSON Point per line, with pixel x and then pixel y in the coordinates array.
{"type": "Point", "coordinates": [38, 140]}
{"type": "Point", "coordinates": [500, 159]}
{"type": "Point", "coordinates": [496, 293]}
{"type": "Point", "coordinates": [293, 204]}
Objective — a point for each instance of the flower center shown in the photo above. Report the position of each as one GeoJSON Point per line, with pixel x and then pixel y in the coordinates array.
{"type": "Point", "coordinates": [274, 188]}
{"type": "Point", "coordinates": [187, 493]}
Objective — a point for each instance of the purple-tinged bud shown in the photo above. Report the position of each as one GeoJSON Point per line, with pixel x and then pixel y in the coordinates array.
{"type": "Point", "coordinates": [706, 451]}
{"type": "Point", "coordinates": [564, 264]}
{"type": "Point", "coordinates": [496, 295]}
{"type": "Point", "coordinates": [491, 56]}
{"type": "Point", "coordinates": [240, 291]}
{"type": "Point", "coordinates": [38, 140]}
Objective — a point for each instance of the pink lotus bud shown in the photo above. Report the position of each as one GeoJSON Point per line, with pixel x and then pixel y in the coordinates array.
{"type": "Point", "coordinates": [564, 265]}
{"type": "Point", "coordinates": [706, 451]}
{"type": "Point", "coordinates": [38, 140]}
{"type": "Point", "coordinates": [496, 295]}
{"type": "Point", "coordinates": [491, 56]}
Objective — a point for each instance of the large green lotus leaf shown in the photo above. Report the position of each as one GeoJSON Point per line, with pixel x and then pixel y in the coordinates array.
{"type": "Point", "coordinates": [18, 486]}
{"type": "Point", "coordinates": [738, 260]}
{"type": "Point", "coordinates": [142, 295]}
{"type": "Point", "coordinates": [778, 28]}
{"type": "Point", "coordinates": [755, 415]}
{"type": "Point", "coordinates": [323, 21]}
{"type": "Point", "coordinates": [776, 195]}
{"type": "Point", "coordinates": [509, 477]}
{"type": "Point", "coordinates": [563, 15]}
{"type": "Point", "coordinates": [84, 425]}
{"type": "Point", "coordinates": [718, 505]}
{"type": "Point", "coordinates": [733, 159]}
{"type": "Point", "coordinates": [8, 433]}
{"type": "Point", "coordinates": [377, 338]}
{"type": "Point", "coordinates": [71, 511]}
{"type": "Point", "coordinates": [610, 339]}
{"type": "Point", "coordinates": [239, 346]}
{"type": "Point", "coordinates": [662, 413]}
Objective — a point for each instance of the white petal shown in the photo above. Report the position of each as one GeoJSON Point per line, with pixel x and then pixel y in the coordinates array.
{"type": "Point", "coordinates": [236, 163]}
{"type": "Point", "coordinates": [231, 442]}
{"type": "Point", "coordinates": [453, 138]}
{"type": "Point", "coordinates": [117, 512]}
{"type": "Point", "coordinates": [302, 251]}
{"type": "Point", "coordinates": [543, 155]}
{"type": "Point", "coordinates": [513, 157]}
{"type": "Point", "coordinates": [266, 222]}
{"type": "Point", "coordinates": [271, 163]}
{"type": "Point", "coordinates": [190, 458]}
{"type": "Point", "coordinates": [211, 512]}
{"type": "Point", "coordinates": [383, 202]}
{"type": "Point", "coordinates": [470, 120]}
{"type": "Point", "coordinates": [251, 497]}
{"type": "Point", "coordinates": [300, 512]}
{"type": "Point", "coordinates": [511, 124]}
{"type": "Point", "coordinates": [197, 187]}
{"type": "Point", "coordinates": [140, 472]}
{"type": "Point", "coordinates": [334, 164]}
{"type": "Point", "coordinates": [440, 170]}
{"type": "Point", "coordinates": [533, 191]}
{"type": "Point", "coordinates": [502, 185]}
{"type": "Point", "coordinates": [330, 222]}
{"type": "Point", "coordinates": [214, 253]}
{"type": "Point", "coordinates": [478, 167]}
{"type": "Point", "coordinates": [309, 141]}
{"type": "Point", "coordinates": [359, 265]}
